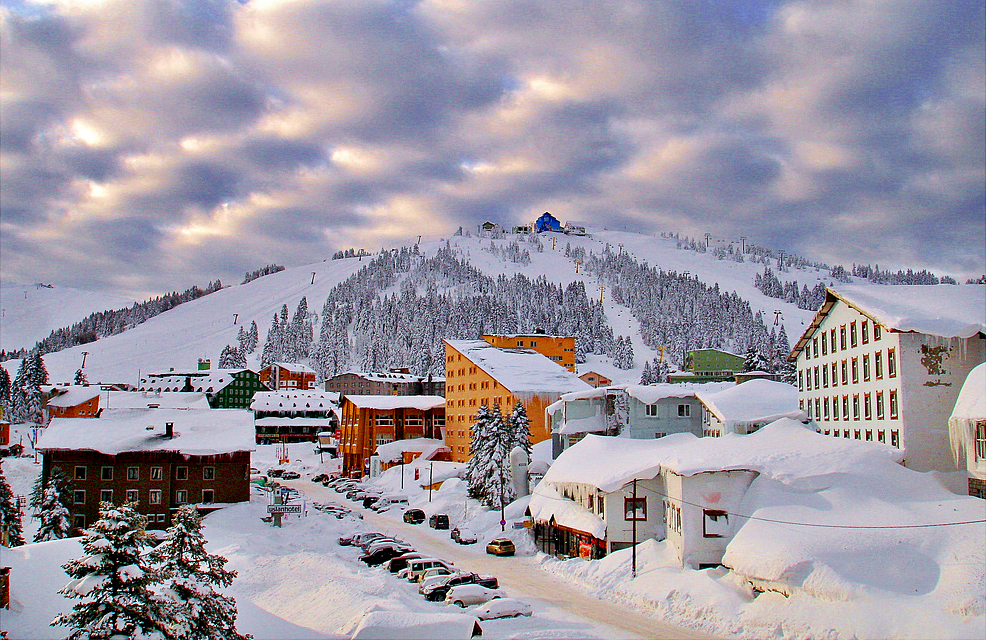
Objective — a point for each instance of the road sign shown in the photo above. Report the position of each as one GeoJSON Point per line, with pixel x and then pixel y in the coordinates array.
{"type": "Point", "coordinates": [503, 522]}
{"type": "Point", "coordinates": [284, 508]}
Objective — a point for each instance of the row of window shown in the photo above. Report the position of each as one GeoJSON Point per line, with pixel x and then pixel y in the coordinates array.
{"type": "Point", "coordinates": [154, 496]}
{"type": "Point", "coordinates": [652, 411]}
{"type": "Point", "coordinates": [822, 376]}
{"type": "Point", "coordinates": [825, 341]}
{"type": "Point", "coordinates": [867, 434]}
{"type": "Point", "coordinates": [133, 473]}
{"type": "Point", "coordinates": [823, 409]}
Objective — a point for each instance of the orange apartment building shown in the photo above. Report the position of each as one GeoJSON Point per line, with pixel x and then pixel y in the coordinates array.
{"type": "Point", "coordinates": [288, 375]}
{"type": "Point", "coordinates": [558, 349]}
{"type": "Point", "coordinates": [369, 421]}
{"type": "Point", "coordinates": [478, 373]}
{"type": "Point", "coordinates": [73, 402]}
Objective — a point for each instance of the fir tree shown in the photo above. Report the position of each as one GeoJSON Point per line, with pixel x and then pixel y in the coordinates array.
{"type": "Point", "coordinates": [192, 576]}
{"type": "Point", "coordinates": [4, 392]}
{"type": "Point", "coordinates": [80, 377]}
{"type": "Point", "coordinates": [54, 517]}
{"type": "Point", "coordinates": [519, 426]}
{"type": "Point", "coordinates": [114, 582]}
{"type": "Point", "coordinates": [476, 470]}
{"type": "Point", "coordinates": [498, 491]}
{"type": "Point", "coordinates": [232, 358]}
{"type": "Point", "coordinates": [647, 376]}
{"type": "Point", "coordinates": [10, 516]}
{"type": "Point", "coordinates": [26, 393]}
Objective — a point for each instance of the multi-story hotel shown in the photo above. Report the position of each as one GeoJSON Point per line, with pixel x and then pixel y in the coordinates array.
{"type": "Point", "coordinates": [373, 420]}
{"type": "Point", "coordinates": [478, 373]}
{"type": "Point", "coordinates": [558, 349]}
{"type": "Point", "coordinates": [886, 364]}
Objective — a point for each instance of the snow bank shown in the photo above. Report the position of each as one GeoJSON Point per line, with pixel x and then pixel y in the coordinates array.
{"type": "Point", "coordinates": [401, 625]}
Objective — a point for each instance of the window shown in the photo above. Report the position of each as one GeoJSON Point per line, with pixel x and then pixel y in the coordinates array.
{"type": "Point", "coordinates": [845, 407]}
{"type": "Point", "coordinates": [600, 502]}
{"type": "Point", "coordinates": [157, 473]}
{"type": "Point", "coordinates": [842, 337]}
{"type": "Point", "coordinates": [877, 331]}
{"type": "Point", "coordinates": [659, 434]}
{"type": "Point", "coordinates": [866, 332]}
{"type": "Point", "coordinates": [160, 517]}
{"type": "Point", "coordinates": [891, 363]}
{"type": "Point", "coordinates": [80, 473]}
{"type": "Point", "coordinates": [384, 438]}
{"type": "Point", "coordinates": [825, 344]}
{"type": "Point", "coordinates": [835, 407]}
{"type": "Point", "coordinates": [855, 434]}
{"type": "Point", "coordinates": [855, 370]}
{"type": "Point", "coordinates": [869, 435]}
{"type": "Point", "coordinates": [414, 421]}
{"type": "Point", "coordinates": [980, 444]}
{"type": "Point", "coordinates": [894, 438]}
{"type": "Point", "coordinates": [881, 435]}
{"type": "Point", "coordinates": [832, 339]}
{"type": "Point", "coordinates": [814, 346]}
{"type": "Point", "coordinates": [825, 408]}
{"type": "Point", "coordinates": [79, 496]}
{"type": "Point", "coordinates": [181, 496]}
{"type": "Point", "coordinates": [106, 473]}
{"type": "Point", "coordinates": [808, 378]}
{"type": "Point", "coordinates": [815, 376]}
{"type": "Point", "coordinates": [131, 495]}
{"type": "Point", "coordinates": [867, 406]}
{"type": "Point", "coordinates": [825, 376]}
{"type": "Point", "coordinates": [715, 523]}
{"type": "Point", "coordinates": [385, 420]}
{"type": "Point", "coordinates": [893, 404]}
{"type": "Point", "coordinates": [835, 375]}
{"type": "Point", "coordinates": [133, 473]}
{"type": "Point", "coordinates": [801, 380]}
{"type": "Point", "coordinates": [650, 410]}
{"type": "Point", "coordinates": [879, 405]}
{"type": "Point", "coordinates": [106, 495]}
{"type": "Point", "coordinates": [181, 473]}
{"type": "Point", "coordinates": [852, 334]}
{"type": "Point", "coordinates": [855, 406]}
{"type": "Point", "coordinates": [866, 367]}
{"type": "Point", "coordinates": [845, 372]}
{"type": "Point", "coordinates": [878, 365]}
{"type": "Point", "coordinates": [635, 509]}
{"type": "Point", "coordinates": [818, 408]}
{"type": "Point", "coordinates": [208, 495]}
{"type": "Point", "coordinates": [684, 410]}
{"type": "Point", "coordinates": [208, 473]}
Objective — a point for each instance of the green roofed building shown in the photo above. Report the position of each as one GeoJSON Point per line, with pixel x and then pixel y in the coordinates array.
{"type": "Point", "coordinates": [709, 365]}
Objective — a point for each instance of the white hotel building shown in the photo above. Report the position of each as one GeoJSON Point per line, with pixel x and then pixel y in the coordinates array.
{"type": "Point", "coordinates": [886, 363]}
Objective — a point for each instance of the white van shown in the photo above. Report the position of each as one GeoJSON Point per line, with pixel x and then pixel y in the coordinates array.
{"type": "Point", "coordinates": [418, 566]}
{"type": "Point", "coordinates": [389, 502]}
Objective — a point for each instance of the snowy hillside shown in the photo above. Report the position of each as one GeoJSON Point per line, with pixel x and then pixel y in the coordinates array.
{"type": "Point", "coordinates": [203, 327]}
{"type": "Point", "coordinates": [31, 311]}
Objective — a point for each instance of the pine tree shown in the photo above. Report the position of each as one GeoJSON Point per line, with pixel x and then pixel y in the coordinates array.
{"type": "Point", "coordinates": [10, 516]}
{"type": "Point", "coordinates": [192, 576]}
{"type": "Point", "coordinates": [114, 582]}
{"type": "Point", "coordinates": [647, 376]}
{"type": "Point", "coordinates": [520, 429]}
{"type": "Point", "coordinates": [80, 377]}
{"type": "Point", "coordinates": [476, 470]}
{"type": "Point", "coordinates": [54, 517]}
{"type": "Point", "coordinates": [498, 491]}
{"type": "Point", "coordinates": [253, 337]}
{"type": "Point", "coordinates": [26, 393]}
{"type": "Point", "coordinates": [232, 358]}
{"type": "Point", "coordinates": [4, 392]}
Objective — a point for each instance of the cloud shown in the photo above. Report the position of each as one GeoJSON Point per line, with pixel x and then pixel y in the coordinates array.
{"type": "Point", "coordinates": [177, 142]}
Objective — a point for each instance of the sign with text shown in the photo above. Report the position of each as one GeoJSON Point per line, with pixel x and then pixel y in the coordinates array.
{"type": "Point", "coordinates": [284, 508]}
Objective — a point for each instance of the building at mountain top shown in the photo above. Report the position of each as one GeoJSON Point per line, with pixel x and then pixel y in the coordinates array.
{"type": "Point", "coordinates": [708, 365]}
{"type": "Point", "coordinates": [887, 363]}
{"type": "Point", "coordinates": [477, 374]}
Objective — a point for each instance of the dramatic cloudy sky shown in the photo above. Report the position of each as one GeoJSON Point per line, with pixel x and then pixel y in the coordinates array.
{"type": "Point", "coordinates": [153, 144]}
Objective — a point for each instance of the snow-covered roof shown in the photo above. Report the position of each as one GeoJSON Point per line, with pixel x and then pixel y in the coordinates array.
{"type": "Point", "coordinates": [143, 400]}
{"type": "Point", "coordinates": [519, 370]}
{"type": "Point", "coordinates": [295, 422]}
{"type": "Point", "coordinates": [947, 311]}
{"type": "Point", "coordinates": [302, 400]}
{"type": "Point", "coordinates": [784, 449]}
{"type": "Point", "coordinates": [196, 432]}
{"type": "Point", "coordinates": [73, 396]}
{"type": "Point", "coordinates": [205, 381]}
{"type": "Point", "coordinates": [294, 367]}
{"type": "Point", "coordinates": [393, 451]}
{"type": "Point", "coordinates": [384, 376]}
{"type": "Point", "coordinates": [547, 503]}
{"type": "Point", "coordinates": [422, 403]}
{"type": "Point", "coordinates": [971, 403]}
{"type": "Point", "coordinates": [756, 400]}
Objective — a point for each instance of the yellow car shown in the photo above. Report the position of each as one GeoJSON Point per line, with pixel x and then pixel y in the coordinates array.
{"type": "Point", "coordinates": [501, 547]}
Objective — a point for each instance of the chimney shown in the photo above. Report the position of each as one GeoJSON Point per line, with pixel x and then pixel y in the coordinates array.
{"type": "Point", "coordinates": [169, 430]}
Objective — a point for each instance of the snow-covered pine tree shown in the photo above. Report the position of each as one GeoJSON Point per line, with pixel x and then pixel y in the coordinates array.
{"type": "Point", "coordinates": [4, 391]}
{"type": "Point", "coordinates": [232, 358]}
{"type": "Point", "coordinates": [80, 377]}
{"type": "Point", "coordinates": [114, 582]}
{"type": "Point", "coordinates": [498, 490]}
{"type": "Point", "coordinates": [191, 575]}
{"type": "Point", "coordinates": [26, 393]}
{"type": "Point", "coordinates": [519, 427]}
{"type": "Point", "coordinates": [59, 485]}
{"type": "Point", "coordinates": [271, 353]}
{"type": "Point", "coordinates": [476, 468]}
{"type": "Point", "coordinates": [647, 376]}
{"type": "Point", "coordinates": [252, 338]}
{"type": "Point", "coordinates": [11, 529]}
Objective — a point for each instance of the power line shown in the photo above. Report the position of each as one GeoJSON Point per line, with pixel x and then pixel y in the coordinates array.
{"type": "Point", "coordinates": [799, 524]}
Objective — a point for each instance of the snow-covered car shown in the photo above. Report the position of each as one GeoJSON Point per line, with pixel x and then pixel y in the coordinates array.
{"type": "Point", "coordinates": [462, 536]}
{"type": "Point", "coordinates": [434, 571]}
{"type": "Point", "coordinates": [467, 594]}
{"type": "Point", "coordinates": [418, 566]}
{"type": "Point", "coordinates": [358, 538]}
{"type": "Point", "coordinates": [275, 473]}
{"type": "Point", "coordinates": [400, 562]}
{"type": "Point", "coordinates": [502, 608]}
{"type": "Point", "coordinates": [290, 475]}
{"type": "Point", "coordinates": [435, 589]}
{"type": "Point", "coordinates": [379, 553]}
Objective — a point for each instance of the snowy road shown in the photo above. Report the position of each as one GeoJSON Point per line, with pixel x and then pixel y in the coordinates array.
{"type": "Point", "coordinates": [517, 575]}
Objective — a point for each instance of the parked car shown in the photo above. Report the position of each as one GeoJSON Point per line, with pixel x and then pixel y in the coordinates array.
{"type": "Point", "coordinates": [436, 589]}
{"type": "Point", "coordinates": [358, 538]}
{"type": "Point", "coordinates": [502, 608]}
{"type": "Point", "coordinates": [434, 571]}
{"type": "Point", "coordinates": [501, 547]}
{"type": "Point", "coordinates": [414, 516]}
{"type": "Point", "coordinates": [275, 473]}
{"type": "Point", "coordinates": [380, 553]}
{"type": "Point", "coordinates": [400, 562]}
{"type": "Point", "coordinates": [369, 501]}
{"type": "Point", "coordinates": [254, 471]}
{"type": "Point", "coordinates": [416, 567]}
{"type": "Point", "coordinates": [438, 521]}
{"type": "Point", "coordinates": [390, 502]}
{"type": "Point", "coordinates": [463, 537]}
{"type": "Point", "coordinates": [466, 594]}
{"type": "Point", "coordinates": [290, 475]}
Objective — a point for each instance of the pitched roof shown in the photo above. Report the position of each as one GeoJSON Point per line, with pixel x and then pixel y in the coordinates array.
{"type": "Point", "coordinates": [520, 370]}
{"type": "Point", "coordinates": [301, 400]}
{"type": "Point", "coordinates": [196, 432]}
{"type": "Point", "coordinates": [752, 401]}
{"type": "Point", "coordinates": [947, 311]}
{"type": "Point", "coordinates": [73, 396]}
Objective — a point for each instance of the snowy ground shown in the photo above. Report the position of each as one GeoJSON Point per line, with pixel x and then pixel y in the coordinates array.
{"type": "Point", "coordinates": [297, 582]}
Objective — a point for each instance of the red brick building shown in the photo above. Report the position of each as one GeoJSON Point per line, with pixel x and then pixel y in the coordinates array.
{"type": "Point", "coordinates": [288, 375]}
{"type": "Point", "coordinates": [158, 459]}
{"type": "Point", "coordinates": [368, 421]}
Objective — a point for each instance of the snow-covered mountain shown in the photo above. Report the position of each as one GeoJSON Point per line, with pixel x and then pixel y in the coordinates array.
{"type": "Point", "coordinates": [203, 327]}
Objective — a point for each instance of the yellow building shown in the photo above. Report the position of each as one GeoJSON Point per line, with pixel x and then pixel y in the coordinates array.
{"type": "Point", "coordinates": [478, 373]}
{"type": "Point", "coordinates": [558, 349]}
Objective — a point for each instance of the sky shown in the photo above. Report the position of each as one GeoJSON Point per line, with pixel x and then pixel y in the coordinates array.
{"type": "Point", "coordinates": [148, 145]}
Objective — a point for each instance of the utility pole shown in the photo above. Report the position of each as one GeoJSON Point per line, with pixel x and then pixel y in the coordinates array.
{"type": "Point", "coordinates": [503, 520]}
{"type": "Point", "coordinates": [743, 241]}
{"type": "Point", "coordinates": [708, 239]}
{"type": "Point", "coordinates": [235, 317]}
{"type": "Point", "coordinates": [601, 290]}
{"type": "Point", "coordinates": [577, 263]}
{"type": "Point", "coordinates": [431, 478]}
{"type": "Point", "coordinates": [634, 559]}
{"type": "Point", "coordinates": [313, 277]}
{"type": "Point", "coordinates": [84, 354]}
